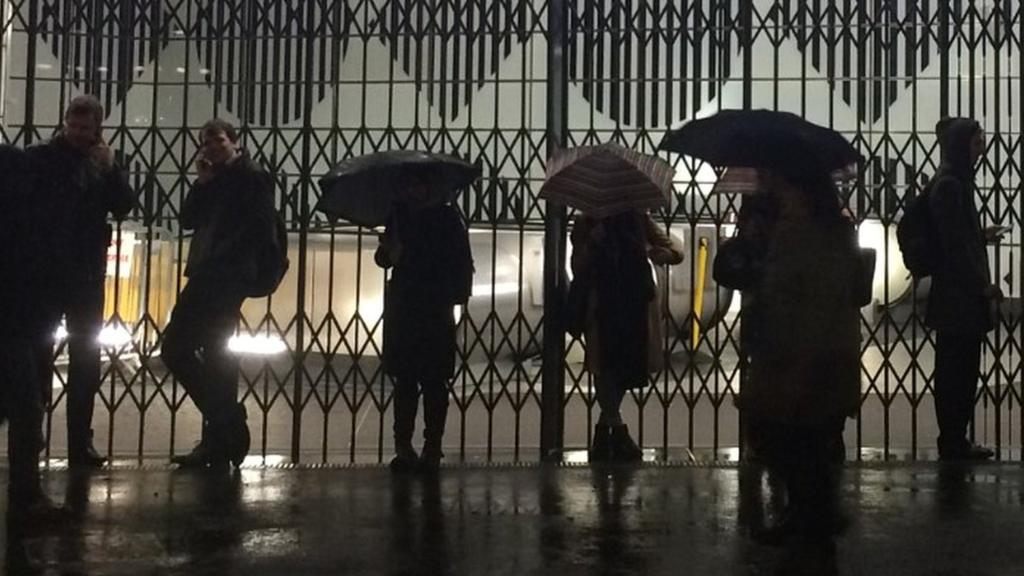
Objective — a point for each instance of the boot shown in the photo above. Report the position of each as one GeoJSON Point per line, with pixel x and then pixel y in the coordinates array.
{"type": "Point", "coordinates": [84, 455]}
{"type": "Point", "coordinates": [406, 459]}
{"type": "Point", "coordinates": [202, 455]}
{"type": "Point", "coordinates": [601, 445]}
{"type": "Point", "coordinates": [430, 461]}
{"type": "Point", "coordinates": [623, 448]}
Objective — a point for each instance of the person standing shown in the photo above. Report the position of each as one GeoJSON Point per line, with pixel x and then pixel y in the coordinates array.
{"type": "Point", "coordinates": [231, 212]}
{"type": "Point", "coordinates": [805, 366]}
{"type": "Point", "coordinates": [426, 246]}
{"type": "Point", "coordinates": [79, 184]}
{"type": "Point", "coordinates": [612, 259]}
{"type": "Point", "coordinates": [962, 297]}
{"type": "Point", "coordinates": [26, 266]}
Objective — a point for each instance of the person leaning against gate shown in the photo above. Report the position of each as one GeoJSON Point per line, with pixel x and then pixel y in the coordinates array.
{"type": "Point", "coordinates": [237, 250]}
{"type": "Point", "coordinates": [962, 300]}
{"type": "Point", "coordinates": [79, 184]}
{"type": "Point", "coordinates": [426, 246]}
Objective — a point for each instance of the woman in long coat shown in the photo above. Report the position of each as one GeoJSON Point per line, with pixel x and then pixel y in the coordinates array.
{"type": "Point", "coordinates": [427, 248]}
{"type": "Point", "coordinates": [805, 369]}
{"type": "Point", "coordinates": [612, 259]}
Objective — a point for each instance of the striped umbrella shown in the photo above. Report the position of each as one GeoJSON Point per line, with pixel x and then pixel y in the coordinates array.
{"type": "Point", "coordinates": [608, 179]}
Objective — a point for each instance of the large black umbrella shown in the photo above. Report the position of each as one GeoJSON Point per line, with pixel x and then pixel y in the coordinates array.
{"type": "Point", "coordinates": [761, 139]}
{"type": "Point", "coordinates": [608, 179]}
{"type": "Point", "coordinates": [363, 189]}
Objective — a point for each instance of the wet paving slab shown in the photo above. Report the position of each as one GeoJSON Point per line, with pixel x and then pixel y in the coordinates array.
{"type": "Point", "coordinates": [905, 519]}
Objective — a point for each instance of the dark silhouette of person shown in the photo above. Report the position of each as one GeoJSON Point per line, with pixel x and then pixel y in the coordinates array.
{"type": "Point", "coordinates": [27, 269]}
{"type": "Point", "coordinates": [426, 246]}
{"type": "Point", "coordinates": [80, 184]}
{"type": "Point", "coordinates": [805, 366]}
{"type": "Point", "coordinates": [231, 212]}
{"type": "Point", "coordinates": [962, 298]}
{"type": "Point", "coordinates": [612, 257]}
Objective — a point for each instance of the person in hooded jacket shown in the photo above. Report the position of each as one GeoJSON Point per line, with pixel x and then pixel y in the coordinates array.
{"type": "Point", "coordinates": [962, 297]}
{"type": "Point", "coordinates": [426, 247]}
{"type": "Point", "coordinates": [79, 184]}
{"type": "Point", "coordinates": [230, 210]}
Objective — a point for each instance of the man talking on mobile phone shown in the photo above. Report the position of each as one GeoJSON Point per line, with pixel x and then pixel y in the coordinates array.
{"type": "Point", "coordinates": [80, 184]}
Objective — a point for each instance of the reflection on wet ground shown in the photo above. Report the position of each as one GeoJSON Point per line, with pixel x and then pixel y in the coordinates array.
{"type": "Point", "coordinates": [904, 519]}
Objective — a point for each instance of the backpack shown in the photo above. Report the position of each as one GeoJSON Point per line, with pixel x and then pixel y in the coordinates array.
{"type": "Point", "coordinates": [916, 238]}
{"type": "Point", "coordinates": [272, 262]}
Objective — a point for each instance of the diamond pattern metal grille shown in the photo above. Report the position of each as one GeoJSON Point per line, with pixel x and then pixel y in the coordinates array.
{"type": "Point", "coordinates": [314, 82]}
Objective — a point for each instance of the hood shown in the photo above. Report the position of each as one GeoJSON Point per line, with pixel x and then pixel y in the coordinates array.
{"type": "Point", "coordinates": [954, 135]}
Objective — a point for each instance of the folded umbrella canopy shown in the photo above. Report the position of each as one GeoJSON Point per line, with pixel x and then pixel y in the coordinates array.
{"type": "Point", "coordinates": [363, 189]}
{"type": "Point", "coordinates": [761, 139]}
{"type": "Point", "coordinates": [608, 179]}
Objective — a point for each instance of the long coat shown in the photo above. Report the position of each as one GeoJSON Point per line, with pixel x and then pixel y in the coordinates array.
{"type": "Point", "coordinates": [623, 334]}
{"type": "Point", "coordinates": [433, 273]}
{"type": "Point", "coordinates": [805, 370]}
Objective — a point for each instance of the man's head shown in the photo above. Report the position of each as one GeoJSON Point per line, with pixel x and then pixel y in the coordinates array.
{"type": "Point", "coordinates": [218, 141]}
{"type": "Point", "coordinates": [961, 142]}
{"type": "Point", "coordinates": [83, 122]}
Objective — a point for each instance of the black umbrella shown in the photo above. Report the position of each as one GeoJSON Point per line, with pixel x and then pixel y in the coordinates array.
{"type": "Point", "coordinates": [761, 139]}
{"type": "Point", "coordinates": [363, 189]}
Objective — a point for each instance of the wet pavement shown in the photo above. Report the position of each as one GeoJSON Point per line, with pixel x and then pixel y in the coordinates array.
{"type": "Point", "coordinates": [919, 519]}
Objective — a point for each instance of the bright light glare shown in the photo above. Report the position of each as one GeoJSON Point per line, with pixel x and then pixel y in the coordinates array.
{"type": "Point", "coordinates": [110, 336]}
{"type": "Point", "coordinates": [256, 345]}
{"type": "Point", "coordinates": [114, 336]}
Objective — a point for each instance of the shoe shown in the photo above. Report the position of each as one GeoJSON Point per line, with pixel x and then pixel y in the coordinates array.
{"type": "Point", "coordinates": [430, 461]}
{"type": "Point", "coordinates": [406, 460]}
{"type": "Point", "coordinates": [624, 449]}
{"type": "Point", "coordinates": [601, 445]}
{"type": "Point", "coordinates": [240, 438]}
{"type": "Point", "coordinates": [968, 452]}
{"type": "Point", "coordinates": [201, 456]}
{"type": "Point", "coordinates": [36, 509]}
{"type": "Point", "coordinates": [86, 457]}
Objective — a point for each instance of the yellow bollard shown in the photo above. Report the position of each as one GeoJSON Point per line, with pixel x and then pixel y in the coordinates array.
{"type": "Point", "coordinates": [698, 289]}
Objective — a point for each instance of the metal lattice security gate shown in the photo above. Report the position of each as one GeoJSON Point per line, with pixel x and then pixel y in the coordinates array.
{"type": "Point", "coordinates": [313, 82]}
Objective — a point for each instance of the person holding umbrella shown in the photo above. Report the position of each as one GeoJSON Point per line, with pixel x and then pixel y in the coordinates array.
{"type": "Point", "coordinates": [612, 258]}
{"type": "Point", "coordinates": [615, 241]}
{"type": "Point", "coordinates": [426, 247]}
{"type": "Point", "coordinates": [806, 270]}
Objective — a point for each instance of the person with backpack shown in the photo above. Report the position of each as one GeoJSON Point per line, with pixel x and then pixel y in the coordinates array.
{"type": "Point", "coordinates": [237, 251]}
{"type": "Point", "coordinates": [962, 295]}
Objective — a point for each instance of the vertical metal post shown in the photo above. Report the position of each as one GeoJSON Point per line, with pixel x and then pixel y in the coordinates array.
{"type": "Point", "coordinates": [305, 181]}
{"type": "Point", "coordinates": [553, 371]}
{"type": "Point", "coordinates": [943, 59]}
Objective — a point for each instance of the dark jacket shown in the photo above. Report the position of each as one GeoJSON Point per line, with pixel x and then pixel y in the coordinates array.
{"type": "Point", "coordinates": [623, 321]}
{"type": "Point", "coordinates": [433, 273]}
{"type": "Point", "coordinates": [77, 195]}
{"type": "Point", "coordinates": [957, 302]}
{"type": "Point", "coordinates": [232, 216]}
{"type": "Point", "coordinates": [26, 265]}
{"type": "Point", "coordinates": [805, 369]}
